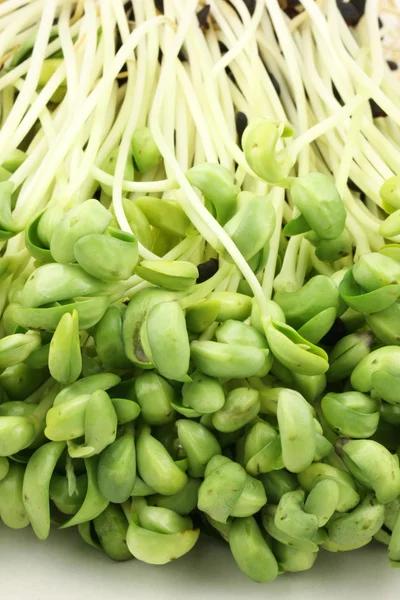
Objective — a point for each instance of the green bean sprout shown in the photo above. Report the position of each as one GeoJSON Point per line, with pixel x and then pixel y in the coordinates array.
{"type": "Point", "coordinates": [200, 276]}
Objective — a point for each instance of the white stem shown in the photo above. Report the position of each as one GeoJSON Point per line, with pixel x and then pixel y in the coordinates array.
{"type": "Point", "coordinates": [70, 61]}
{"type": "Point", "coordinates": [24, 67]}
{"type": "Point", "coordinates": [44, 175]}
{"type": "Point", "coordinates": [24, 97]}
{"type": "Point", "coordinates": [245, 39]}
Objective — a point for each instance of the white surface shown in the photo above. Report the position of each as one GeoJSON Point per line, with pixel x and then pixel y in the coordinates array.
{"type": "Point", "coordinates": [64, 568]}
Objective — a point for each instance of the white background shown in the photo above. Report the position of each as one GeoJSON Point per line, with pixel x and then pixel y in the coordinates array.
{"type": "Point", "coordinates": [64, 568]}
